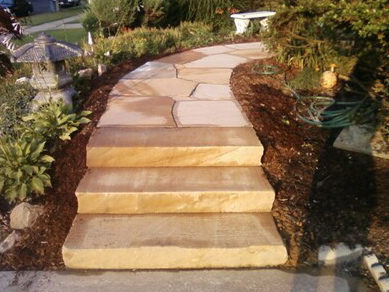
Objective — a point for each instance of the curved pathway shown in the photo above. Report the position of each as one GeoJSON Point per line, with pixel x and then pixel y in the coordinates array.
{"type": "Point", "coordinates": [174, 176]}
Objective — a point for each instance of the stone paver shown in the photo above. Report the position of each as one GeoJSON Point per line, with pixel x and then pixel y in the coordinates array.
{"type": "Point", "coordinates": [209, 114]}
{"type": "Point", "coordinates": [247, 46]}
{"type": "Point", "coordinates": [217, 61]}
{"type": "Point", "coordinates": [175, 88]}
{"type": "Point", "coordinates": [251, 54]}
{"type": "Point", "coordinates": [214, 50]}
{"type": "Point", "coordinates": [265, 280]}
{"type": "Point", "coordinates": [169, 241]}
{"type": "Point", "coordinates": [174, 190]}
{"type": "Point", "coordinates": [182, 58]}
{"type": "Point", "coordinates": [210, 76]}
{"type": "Point", "coordinates": [173, 147]}
{"type": "Point", "coordinates": [138, 111]}
{"type": "Point", "coordinates": [213, 92]}
{"type": "Point", "coordinates": [153, 70]}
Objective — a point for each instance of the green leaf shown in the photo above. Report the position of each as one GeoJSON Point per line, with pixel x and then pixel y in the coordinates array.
{"type": "Point", "coordinates": [37, 185]}
{"type": "Point", "coordinates": [47, 158]}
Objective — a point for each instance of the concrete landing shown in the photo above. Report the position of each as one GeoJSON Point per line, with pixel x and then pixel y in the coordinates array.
{"type": "Point", "coordinates": [173, 241]}
{"type": "Point", "coordinates": [188, 281]}
{"type": "Point", "coordinates": [174, 190]}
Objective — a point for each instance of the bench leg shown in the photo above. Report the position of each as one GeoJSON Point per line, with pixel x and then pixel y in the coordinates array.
{"type": "Point", "coordinates": [241, 25]}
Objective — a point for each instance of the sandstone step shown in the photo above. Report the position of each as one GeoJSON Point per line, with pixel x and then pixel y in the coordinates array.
{"type": "Point", "coordinates": [173, 241]}
{"type": "Point", "coordinates": [158, 147]}
{"type": "Point", "coordinates": [174, 190]}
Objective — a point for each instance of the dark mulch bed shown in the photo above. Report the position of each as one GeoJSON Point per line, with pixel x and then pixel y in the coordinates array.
{"type": "Point", "coordinates": [323, 195]}
{"type": "Point", "coordinates": [40, 246]}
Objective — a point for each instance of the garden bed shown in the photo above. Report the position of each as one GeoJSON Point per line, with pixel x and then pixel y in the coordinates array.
{"type": "Point", "coordinates": [323, 195]}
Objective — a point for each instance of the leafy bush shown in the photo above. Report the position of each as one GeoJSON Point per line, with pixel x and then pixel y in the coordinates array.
{"type": "Point", "coordinates": [15, 101]}
{"type": "Point", "coordinates": [159, 13]}
{"type": "Point", "coordinates": [24, 166]}
{"type": "Point", "coordinates": [53, 121]}
{"type": "Point", "coordinates": [152, 41]}
{"type": "Point", "coordinates": [112, 14]}
{"type": "Point", "coordinates": [89, 21]}
{"type": "Point", "coordinates": [24, 162]}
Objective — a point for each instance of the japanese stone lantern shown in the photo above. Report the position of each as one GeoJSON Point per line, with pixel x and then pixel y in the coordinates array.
{"type": "Point", "coordinates": [49, 75]}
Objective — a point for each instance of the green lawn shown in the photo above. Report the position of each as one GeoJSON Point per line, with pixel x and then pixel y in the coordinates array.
{"type": "Point", "coordinates": [52, 16]}
{"type": "Point", "coordinates": [75, 36]}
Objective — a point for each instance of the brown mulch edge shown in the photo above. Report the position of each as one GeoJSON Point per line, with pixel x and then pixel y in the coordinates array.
{"type": "Point", "coordinates": [323, 195]}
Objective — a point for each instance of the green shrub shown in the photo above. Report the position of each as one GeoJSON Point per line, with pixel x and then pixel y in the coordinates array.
{"type": "Point", "coordinates": [53, 121]}
{"type": "Point", "coordinates": [89, 21]}
{"type": "Point", "coordinates": [159, 13]}
{"type": "Point", "coordinates": [23, 167]}
{"type": "Point", "coordinates": [15, 101]}
{"type": "Point", "coordinates": [152, 41]}
{"type": "Point", "coordinates": [308, 78]}
{"type": "Point", "coordinates": [113, 14]}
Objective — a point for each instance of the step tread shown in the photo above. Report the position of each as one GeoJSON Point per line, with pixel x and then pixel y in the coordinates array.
{"type": "Point", "coordinates": [173, 241]}
{"type": "Point", "coordinates": [173, 179]}
{"type": "Point", "coordinates": [174, 190]}
{"type": "Point", "coordinates": [173, 137]}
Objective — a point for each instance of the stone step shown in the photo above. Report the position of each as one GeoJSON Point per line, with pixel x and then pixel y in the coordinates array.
{"type": "Point", "coordinates": [173, 241]}
{"type": "Point", "coordinates": [159, 147]}
{"type": "Point", "coordinates": [174, 190]}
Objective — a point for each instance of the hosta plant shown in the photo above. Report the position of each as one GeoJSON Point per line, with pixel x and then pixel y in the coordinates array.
{"type": "Point", "coordinates": [23, 167]}
{"type": "Point", "coordinates": [53, 121]}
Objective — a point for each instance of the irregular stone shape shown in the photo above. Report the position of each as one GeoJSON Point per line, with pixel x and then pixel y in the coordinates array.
{"type": "Point", "coordinates": [377, 271]}
{"type": "Point", "coordinates": [339, 254]}
{"type": "Point", "coordinates": [247, 46]}
{"type": "Point", "coordinates": [158, 147]}
{"type": "Point", "coordinates": [213, 50]}
{"type": "Point", "coordinates": [101, 69]}
{"type": "Point", "coordinates": [175, 88]}
{"type": "Point", "coordinates": [251, 54]}
{"type": "Point", "coordinates": [86, 73]}
{"type": "Point", "coordinates": [204, 113]}
{"type": "Point", "coordinates": [217, 280]}
{"type": "Point", "coordinates": [9, 241]}
{"type": "Point", "coordinates": [152, 70]}
{"type": "Point", "coordinates": [210, 76]}
{"type": "Point", "coordinates": [138, 111]}
{"type": "Point", "coordinates": [173, 241]}
{"type": "Point", "coordinates": [362, 139]}
{"type": "Point", "coordinates": [182, 58]}
{"type": "Point", "coordinates": [217, 61]}
{"type": "Point", "coordinates": [24, 215]}
{"type": "Point", "coordinates": [22, 80]}
{"type": "Point", "coordinates": [213, 92]}
{"type": "Point", "coordinates": [174, 190]}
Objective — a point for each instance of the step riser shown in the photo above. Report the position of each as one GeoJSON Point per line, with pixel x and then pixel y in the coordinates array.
{"type": "Point", "coordinates": [173, 156]}
{"type": "Point", "coordinates": [175, 258]}
{"type": "Point", "coordinates": [142, 203]}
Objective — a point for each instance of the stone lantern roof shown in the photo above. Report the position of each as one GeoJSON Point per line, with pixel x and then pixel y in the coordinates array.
{"type": "Point", "coordinates": [46, 49]}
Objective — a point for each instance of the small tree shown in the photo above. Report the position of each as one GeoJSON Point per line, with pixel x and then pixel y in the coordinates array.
{"type": "Point", "coordinates": [9, 29]}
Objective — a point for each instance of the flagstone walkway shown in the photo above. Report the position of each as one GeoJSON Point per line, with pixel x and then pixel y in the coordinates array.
{"type": "Point", "coordinates": [174, 176]}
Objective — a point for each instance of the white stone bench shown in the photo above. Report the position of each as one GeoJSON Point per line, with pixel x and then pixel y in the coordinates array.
{"type": "Point", "coordinates": [242, 20]}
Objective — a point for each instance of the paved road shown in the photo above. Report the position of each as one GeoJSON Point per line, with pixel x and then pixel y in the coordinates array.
{"type": "Point", "coordinates": [58, 24]}
{"type": "Point", "coordinates": [171, 281]}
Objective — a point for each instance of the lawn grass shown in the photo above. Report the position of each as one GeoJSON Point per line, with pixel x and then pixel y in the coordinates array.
{"type": "Point", "coordinates": [52, 16]}
{"type": "Point", "coordinates": [76, 36]}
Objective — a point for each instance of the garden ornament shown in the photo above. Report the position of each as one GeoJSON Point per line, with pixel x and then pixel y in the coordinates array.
{"type": "Point", "coordinates": [49, 76]}
{"type": "Point", "coordinates": [329, 78]}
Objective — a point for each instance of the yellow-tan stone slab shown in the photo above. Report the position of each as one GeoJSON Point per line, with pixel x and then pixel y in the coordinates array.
{"type": "Point", "coordinates": [213, 92]}
{"type": "Point", "coordinates": [138, 111]}
{"type": "Point", "coordinates": [173, 241]}
{"type": "Point", "coordinates": [217, 61]}
{"type": "Point", "coordinates": [209, 113]}
{"type": "Point", "coordinates": [210, 76]}
{"type": "Point", "coordinates": [173, 87]}
{"type": "Point", "coordinates": [153, 70]}
{"type": "Point", "coordinates": [174, 190]}
{"type": "Point", "coordinates": [182, 58]}
{"type": "Point", "coordinates": [158, 147]}
{"type": "Point", "coordinates": [251, 54]}
{"type": "Point", "coordinates": [213, 50]}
